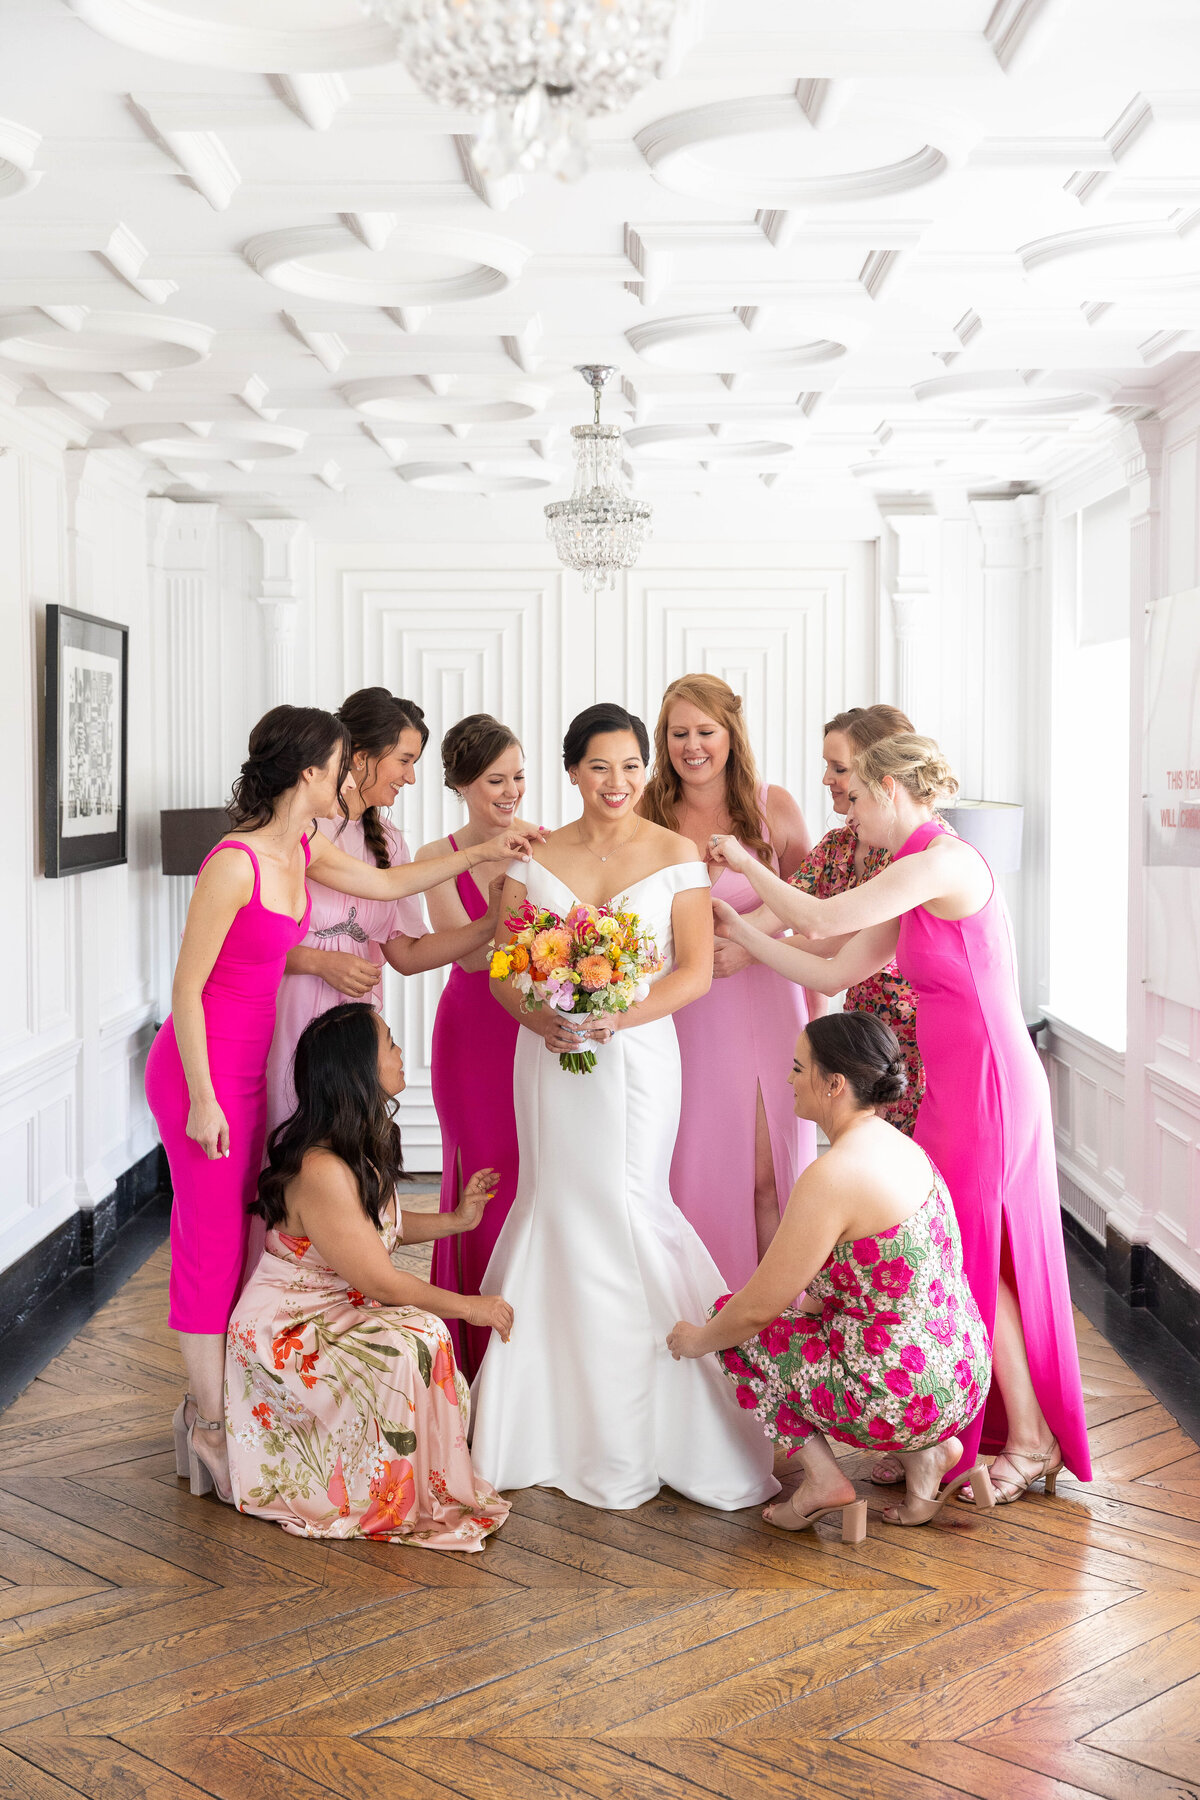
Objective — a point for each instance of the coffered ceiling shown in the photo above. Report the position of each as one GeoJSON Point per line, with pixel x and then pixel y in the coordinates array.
{"type": "Point", "coordinates": [840, 251]}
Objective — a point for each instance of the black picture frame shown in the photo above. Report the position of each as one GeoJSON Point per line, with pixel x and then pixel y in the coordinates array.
{"type": "Point", "coordinates": [85, 742]}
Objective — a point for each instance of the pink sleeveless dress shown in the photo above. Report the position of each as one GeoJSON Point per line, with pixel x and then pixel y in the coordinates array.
{"type": "Point", "coordinates": [736, 1041]}
{"type": "Point", "coordinates": [985, 1124]}
{"type": "Point", "coordinates": [208, 1219]}
{"type": "Point", "coordinates": [474, 1043]}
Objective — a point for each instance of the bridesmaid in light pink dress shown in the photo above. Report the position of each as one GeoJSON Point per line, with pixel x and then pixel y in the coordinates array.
{"type": "Point", "coordinates": [985, 1119]}
{"type": "Point", "coordinates": [474, 1040]}
{"type": "Point", "coordinates": [740, 1147]}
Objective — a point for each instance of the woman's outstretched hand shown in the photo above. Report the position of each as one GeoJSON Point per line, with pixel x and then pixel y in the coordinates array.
{"type": "Point", "coordinates": [722, 848]}
{"type": "Point", "coordinates": [727, 921]}
{"type": "Point", "coordinates": [208, 1127]}
{"type": "Point", "coordinates": [684, 1341]}
{"type": "Point", "coordinates": [489, 1309]}
{"type": "Point", "coordinates": [509, 846]}
{"type": "Point", "coordinates": [479, 1190]}
{"type": "Point", "coordinates": [348, 974]}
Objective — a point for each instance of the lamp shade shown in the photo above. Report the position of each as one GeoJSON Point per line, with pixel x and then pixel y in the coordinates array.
{"type": "Point", "coordinates": [994, 827]}
{"type": "Point", "coordinates": [188, 834]}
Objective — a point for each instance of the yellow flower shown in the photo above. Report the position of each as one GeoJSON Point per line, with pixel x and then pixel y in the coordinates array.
{"type": "Point", "coordinates": [501, 964]}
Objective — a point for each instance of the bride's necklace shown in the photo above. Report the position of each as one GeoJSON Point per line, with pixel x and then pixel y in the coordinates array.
{"type": "Point", "coordinates": [620, 846]}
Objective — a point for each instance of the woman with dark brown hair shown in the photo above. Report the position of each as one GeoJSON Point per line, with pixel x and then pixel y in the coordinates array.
{"type": "Point", "coordinates": [741, 1145]}
{"type": "Point", "coordinates": [206, 1075]}
{"type": "Point", "coordinates": [347, 1416]}
{"type": "Point", "coordinates": [474, 1041]}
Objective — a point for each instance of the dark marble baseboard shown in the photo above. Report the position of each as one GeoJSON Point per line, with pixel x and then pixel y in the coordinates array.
{"type": "Point", "coordinates": [80, 1242]}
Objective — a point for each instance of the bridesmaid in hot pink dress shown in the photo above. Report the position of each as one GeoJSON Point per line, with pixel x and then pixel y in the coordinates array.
{"type": "Point", "coordinates": [474, 1040]}
{"type": "Point", "coordinates": [985, 1120]}
{"type": "Point", "coordinates": [740, 1146]}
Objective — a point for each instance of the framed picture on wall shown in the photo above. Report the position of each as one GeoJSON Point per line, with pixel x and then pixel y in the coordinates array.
{"type": "Point", "coordinates": [85, 742]}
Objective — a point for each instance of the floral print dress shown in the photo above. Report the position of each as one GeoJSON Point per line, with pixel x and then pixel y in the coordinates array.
{"type": "Point", "coordinates": [897, 1359]}
{"type": "Point", "coordinates": [346, 1418]}
{"type": "Point", "coordinates": [829, 869]}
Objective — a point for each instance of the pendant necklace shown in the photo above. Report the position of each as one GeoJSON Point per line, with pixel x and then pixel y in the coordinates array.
{"type": "Point", "coordinates": [623, 846]}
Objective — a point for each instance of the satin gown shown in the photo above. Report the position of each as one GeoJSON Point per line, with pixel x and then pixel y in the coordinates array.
{"type": "Point", "coordinates": [209, 1221]}
{"type": "Point", "coordinates": [474, 1043]}
{"type": "Point", "coordinates": [736, 1042]}
{"type": "Point", "coordinates": [598, 1264]}
{"type": "Point", "coordinates": [985, 1123]}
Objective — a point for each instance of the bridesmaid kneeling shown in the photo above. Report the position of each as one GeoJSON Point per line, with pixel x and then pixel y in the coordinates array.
{"type": "Point", "coordinates": [346, 1414]}
{"type": "Point", "coordinates": [888, 1350]}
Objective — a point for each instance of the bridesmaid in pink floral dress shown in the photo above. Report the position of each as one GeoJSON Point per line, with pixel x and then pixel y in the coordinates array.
{"type": "Point", "coordinates": [985, 1121]}
{"type": "Point", "coordinates": [474, 1040]}
{"type": "Point", "coordinates": [346, 1415]}
{"type": "Point", "coordinates": [740, 1145]}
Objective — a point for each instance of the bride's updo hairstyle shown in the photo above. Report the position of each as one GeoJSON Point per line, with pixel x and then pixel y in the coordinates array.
{"type": "Point", "coordinates": [285, 742]}
{"type": "Point", "coordinates": [376, 721]}
{"type": "Point", "coordinates": [472, 746]}
{"type": "Point", "coordinates": [860, 1047]}
{"type": "Point", "coordinates": [915, 763]}
{"type": "Point", "coordinates": [594, 721]}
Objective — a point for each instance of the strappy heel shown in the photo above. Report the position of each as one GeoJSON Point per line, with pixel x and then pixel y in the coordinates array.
{"type": "Point", "coordinates": [921, 1511]}
{"type": "Point", "coordinates": [200, 1477]}
{"type": "Point", "coordinates": [1048, 1466]}
{"type": "Point", "coordinates": [180, 1431]}
{"type": "Point", "coordinates": [854, 1520]}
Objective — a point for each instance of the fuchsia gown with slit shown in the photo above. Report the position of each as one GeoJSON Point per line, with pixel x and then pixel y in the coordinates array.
{"type": "Point", "coordinates": [474, 1043]}
{"type": "Point", "coordinates": [985, 1124]}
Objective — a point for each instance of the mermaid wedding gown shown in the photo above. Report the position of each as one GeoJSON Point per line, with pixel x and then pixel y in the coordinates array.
{"type": "Point", "coordinates": [598, 1263]}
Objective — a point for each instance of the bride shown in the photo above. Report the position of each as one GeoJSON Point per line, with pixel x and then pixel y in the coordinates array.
{"type": "Point", "coordinates": [594, 1258]}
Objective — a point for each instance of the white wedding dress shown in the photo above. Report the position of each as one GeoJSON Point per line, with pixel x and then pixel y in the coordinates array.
{"type": "Point", "coordinates": [598, 1263]}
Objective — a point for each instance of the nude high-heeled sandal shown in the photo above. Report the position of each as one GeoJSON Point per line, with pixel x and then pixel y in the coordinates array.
{"type": "Point", "coordinates": [920, 1511]}
{"type": "Point", "coordinates": [854, 1519]}
{"type": "Point", "coordinates": [1046, 1465]}
{"type": "Point", "coordinates": [200, 1477]}
{"type": "Point", "coordinates": [180, 1431]}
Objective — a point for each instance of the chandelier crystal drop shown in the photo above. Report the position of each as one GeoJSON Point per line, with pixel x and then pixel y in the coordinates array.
{"type": "Point", "coordinates": [601, 528]}
{"type": "Point", "coordinates": [536, 69]}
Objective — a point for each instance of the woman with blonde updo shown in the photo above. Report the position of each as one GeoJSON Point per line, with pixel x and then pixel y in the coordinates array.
{"type": "Point", "coordinates": [985, 1120]}
{"type": "Point", "coordinates": [741, 1146]}
{"type": "Point", "coordinates": [474, 1041]}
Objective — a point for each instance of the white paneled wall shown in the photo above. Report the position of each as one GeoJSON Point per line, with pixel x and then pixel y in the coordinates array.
{"type": "Point", "coordinates": [77, 1007]}
{"type": "Point", "coordinates": [506, 631]}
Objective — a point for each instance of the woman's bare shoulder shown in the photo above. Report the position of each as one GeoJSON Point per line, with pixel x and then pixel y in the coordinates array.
{"type": "Point", "coordinates": [672, 846]}
{"type": "Point", "coordinates": [438, 847]}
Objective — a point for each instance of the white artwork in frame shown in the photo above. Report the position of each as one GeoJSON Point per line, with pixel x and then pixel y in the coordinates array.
{"type": "Point", "coordinates": [90, 743]}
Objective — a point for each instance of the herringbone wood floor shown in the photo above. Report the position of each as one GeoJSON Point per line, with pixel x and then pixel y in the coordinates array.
{"type": "Point", "coordinates": [161, 1647]}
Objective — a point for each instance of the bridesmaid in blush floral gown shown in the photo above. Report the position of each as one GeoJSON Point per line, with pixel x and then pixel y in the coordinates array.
{"type": "Point", "coordinates": [985, 1120]}
{"type": "Point", "coordinates": [474, 1040]}
{"type": "Point", "coordinates": [740, 1146]}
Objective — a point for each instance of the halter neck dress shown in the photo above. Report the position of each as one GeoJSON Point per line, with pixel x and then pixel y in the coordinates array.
{"type": "Point", "coordinates": [985, 1124]}
{"type": "Point", "coordinates": [209, 1222]}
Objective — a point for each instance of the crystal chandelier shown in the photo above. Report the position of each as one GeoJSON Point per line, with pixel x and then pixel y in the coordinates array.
{"type": "Point", "coordinates": [600, 529]}
{"type": "Point", "coordinates": [536, 69]}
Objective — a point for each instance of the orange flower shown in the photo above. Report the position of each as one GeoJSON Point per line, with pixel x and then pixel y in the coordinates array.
{"type": "Point", "coordinates": [595, 972]}
{"type": "Point", "coordinates": [286, 1342]}
{"type": "Point", "coordinates": [519, 958]}
{"type": "Point", "coordinates": [550, 949]}
{"type": "Point", "coordinates": [443, 1373]}
{"type": "Point", "coordinates": [337, 1491]}
{"type": "Point", "coordinates": [393, 1496]}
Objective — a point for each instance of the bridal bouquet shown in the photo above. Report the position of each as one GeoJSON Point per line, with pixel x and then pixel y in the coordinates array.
{"type": "Point", "coordinates": [596, 960]}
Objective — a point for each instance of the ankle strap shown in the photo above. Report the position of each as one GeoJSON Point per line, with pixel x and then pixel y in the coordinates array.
{"type": "Point", "coordinates": [209, 1424]}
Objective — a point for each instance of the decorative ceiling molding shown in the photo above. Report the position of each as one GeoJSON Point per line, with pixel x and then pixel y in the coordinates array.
{"type": "Point", "coordinates": [215, 35]}
{"type": "Point", "coordinates": [96, 343]}
{"type": "Point", "coordinates": [315, 98]}
{"type": "Point", "coordinates": [446, 399]}
{"type": "Point", "coordinates": [1018, 30]}
{"type": "Point", "coordinates": [203, 158]}
{"type": "Point", "coordinates": [208, 441]}
{"type": "Point", "coordinates": [721, 344]}
{"type": "Point", "coordinates": [485, 475]}
{"type": "Point", "coordinates": [1020, 394]}
{"type": "Point", "coordinates": [286, 259]}
{"type": "Point", "coordinates": [1107, 261]}
{"type": "Point", "coordinates": [709, 445]}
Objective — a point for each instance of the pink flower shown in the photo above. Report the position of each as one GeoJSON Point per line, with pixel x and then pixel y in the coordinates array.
{"type": "Point", "coordinates": [921, 1412]}
{"type": "Point", "coordinates": [807, 1323]}
{"type": "Point", "coordinates": [837, 1342]}
{"type": "Point", "coordinates": [899, 1380]}
{"type": "Point", "coordinates": [814, 1349]}
{"type": "Point", "coordinates": [962, 1374]}
{"type": "Point", "coordinates": [843, 1279]}
{"type": "Point", "coordinates": [866, 1252]}
{"type": "Point", "coordinates": [737, 1365]}
{"type": "Point", "coordinates": [937, 1293]}
{"type": "Point", "coordinates": [881, 1428]}
{"type": "Point", "coordinates": [947, 1258]}
{"type": "Point", "coordinates": [968, 1347]}
{"type": "Point", "coordinates": [937, 1230]}
{"type": "Point", "coordinates": [747, 1397]}
{"type": "Point", "coordinates": [941, 1329]}
{"type": "Point", "coordinates": [791, 1423]}
{"type": "Point", "coordinates": [853, 1404]}
{"type": "Point", "coordinates": [776, 1338]}
{"type": "Point", "coordinates": [843, 1437]}
{"type": "Point", "coordinates": [973, 1311]}
{"type": "Point", "coordinates": [912, 1358]}
{"type": "Point", "coordinates": [893, 1278]}
{"type": "Point", "coordinates": [889, 1233]}
{"type": "Point", "coordinates": [823, 1402]}
{"type": "Point", "coordinates": [876, 1338]}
